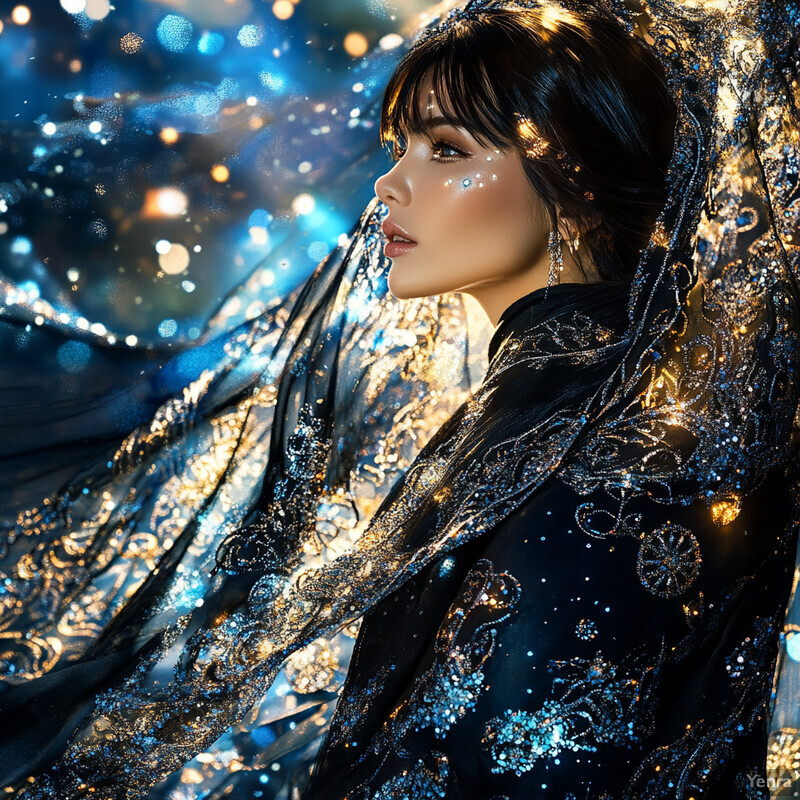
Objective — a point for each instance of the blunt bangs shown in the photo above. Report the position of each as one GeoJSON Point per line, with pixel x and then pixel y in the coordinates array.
{"type": "Point", "coordinates": [464, 90]}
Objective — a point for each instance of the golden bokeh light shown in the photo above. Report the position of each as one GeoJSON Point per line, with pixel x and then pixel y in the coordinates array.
{"type": "Point", "coordinates": [174, 260]}
{"type": "Point", "coordinates": [165, 202]}
{"type": "Point", "coordinates": [220, 173]}
{"type": "Point", "coordinates": [303, 204]}
{"type": "Point", "coordinates": [76, 65]}
{"type": "Point", "coordinates": [723, 512]}
{"type": "Point", "coordinates": [283, 9]}
{"type": "Point", "coordinates": [356, 44]}
{"type": "Point", "coordinates": [97, 9]}
{"type": "Point", "coordinates": [169, 135]}
{"type": "Point", "coordinates": [21, 15]}
{"type": "Point", "coordinates": [390, 41]}
{"type": "Point", "coordinates": [259, 235]}
{"type": "Point", "coordinates": [131, 43]}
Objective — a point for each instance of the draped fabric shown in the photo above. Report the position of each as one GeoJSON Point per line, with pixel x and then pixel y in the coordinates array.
{"type": "Point", "coordinates": [296, 472]}
{"type": "Point", "coordinates": [593, 644]}
{"type": "Point", "coordinates": [134, 539]}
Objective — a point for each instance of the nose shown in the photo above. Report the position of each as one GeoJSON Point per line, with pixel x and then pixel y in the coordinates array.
{"type": "Point", "coordinates": [394, 186]}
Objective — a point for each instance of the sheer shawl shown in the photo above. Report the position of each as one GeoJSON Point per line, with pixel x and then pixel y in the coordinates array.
{"type": "Point", "coordinates": [319, 457]}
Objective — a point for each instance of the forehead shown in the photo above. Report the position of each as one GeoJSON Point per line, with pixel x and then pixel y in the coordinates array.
{"type": "Point", "coordinates": [433, 102]}
{"type": "Point", "coordinates": [428, 97]}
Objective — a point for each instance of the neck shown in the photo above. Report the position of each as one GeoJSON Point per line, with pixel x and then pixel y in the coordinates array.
{"type": "Point", "coordinates": [496, 296]}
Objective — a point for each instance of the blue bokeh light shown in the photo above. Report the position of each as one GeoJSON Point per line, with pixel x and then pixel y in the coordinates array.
{"type": "Point", "coordinates": [260, 218]}
{"type": "Point", "coordinates": [274, 81]}
{"type": "Point", "coordinates": [207, 103]}
{"type": "Point", "coordinates": [174, 32]}
{"type": "Point", "coordinates": [211, 43]}
{"type": "Point", "coordinates": [228, 88]}
{"type": "Point", "coordinates": [318, 250]}
{"type": "Point", "coordinates": [21, 246]}
{"type": "Point", "coordinates": [250, 35]}
{"type": "Point", "coordinates": [31, 288]}
{"type": "Point", "coordinates": [263, 737]}
{"type": "Point", "coordinates": [74, 356]}
{"type": "Point", "coordinates": [793, 647]}
{"type": "Point", "coordinates": [168, 328]}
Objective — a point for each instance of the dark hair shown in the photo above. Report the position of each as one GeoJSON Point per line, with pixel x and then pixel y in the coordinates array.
{"type": "Point", "coordinates": [574, 81]}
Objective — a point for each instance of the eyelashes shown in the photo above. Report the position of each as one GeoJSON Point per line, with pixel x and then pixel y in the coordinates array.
{"type": "Point", "coordinates": [442, 144]}
{"type": "Point", "coordinates": [443, 150]}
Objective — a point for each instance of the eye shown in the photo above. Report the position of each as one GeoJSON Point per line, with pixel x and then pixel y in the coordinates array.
{"type": "Point", "coordinates": [442, 149]}
{"type": "Point", "coordinates": [446, 151]}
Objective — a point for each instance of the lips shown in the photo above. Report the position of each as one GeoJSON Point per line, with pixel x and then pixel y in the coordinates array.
{"type": "Point", "coordinates": [393, 247]}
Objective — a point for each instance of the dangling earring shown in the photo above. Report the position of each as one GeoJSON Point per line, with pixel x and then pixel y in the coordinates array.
{"type": "Point", "coordinates": [556, 258]}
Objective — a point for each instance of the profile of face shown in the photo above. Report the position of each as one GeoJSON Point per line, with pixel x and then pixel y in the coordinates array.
{"type": "Point", "coordinates": [476, 223]}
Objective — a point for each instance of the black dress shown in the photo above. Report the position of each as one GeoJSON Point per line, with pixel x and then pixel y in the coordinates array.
{"type": "Point", "coordinates": [592, 646]}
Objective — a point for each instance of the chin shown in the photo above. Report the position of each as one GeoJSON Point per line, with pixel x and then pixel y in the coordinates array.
{"type": "Point", "coordinates": [402, 290]}
{"type": "Point", "coordinates": [405, 282]}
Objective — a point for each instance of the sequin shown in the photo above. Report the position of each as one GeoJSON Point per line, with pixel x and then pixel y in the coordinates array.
{"type": "Point", "coordinates": [599, 703]}
{"type": "Point", "coordinates": [723, 512]}
{"type": "Point", "coordinates": [422, 781]}
{"type": "Point", "coordinates": [586, 629]}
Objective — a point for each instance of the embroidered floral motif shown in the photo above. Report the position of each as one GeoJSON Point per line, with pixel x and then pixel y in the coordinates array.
{"type": "Point", "coordinates": [669, 557]}
{"type": "Point", "coordinates": [669, 560]}
{"type": "Point", "coordinates": [686, 767]}
{"type": "Point", "coordinates": [602, 703]}
{"type": "Point", "coordinates": [444, 693]}
{"type": "Point", "coordinates": [420, 783]}
{"type": "Point", "coordinates": [601, 523]}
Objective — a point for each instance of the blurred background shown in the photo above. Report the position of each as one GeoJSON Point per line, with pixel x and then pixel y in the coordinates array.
{"type": "Point", "coordinates": [156, 154]}
{"type": "Point", "coordinates": [169, 169]}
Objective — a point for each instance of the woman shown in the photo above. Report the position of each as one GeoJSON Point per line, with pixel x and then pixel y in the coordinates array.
{"type": "Point", "coordinates": [553, 657]}
{"type": "Point", "coordinates": [576, 586]}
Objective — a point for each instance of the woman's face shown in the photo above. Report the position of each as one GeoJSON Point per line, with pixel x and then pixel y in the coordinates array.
{"type": "Point", "coordinates": [476, 222]}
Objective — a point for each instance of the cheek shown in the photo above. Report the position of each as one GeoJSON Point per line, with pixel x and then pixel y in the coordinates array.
{"type": "Point", "coordinates": [494, 211]}
{"type": "Point", "coordinates": [474, 225]}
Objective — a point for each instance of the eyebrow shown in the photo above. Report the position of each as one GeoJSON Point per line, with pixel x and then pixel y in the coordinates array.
{"type": "Point", "coordinates": [434, 123]}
